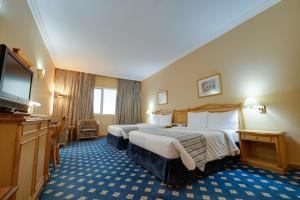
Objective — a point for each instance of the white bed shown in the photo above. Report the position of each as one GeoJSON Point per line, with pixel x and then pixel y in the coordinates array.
{"type": "Point", "coordinates": [159, 119]}
{"type": "Point", "coordinates": [217, 122]}
{"type": "Point", "coordinates": [118, 134]}
{"type": "Point", "coordinates": [220, 143]}
{"type": "Point", "coordinates": [118, 131]}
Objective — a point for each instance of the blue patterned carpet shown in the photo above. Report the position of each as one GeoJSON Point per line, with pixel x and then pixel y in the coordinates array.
{"type": "Point", "coordinates": [94, 170]}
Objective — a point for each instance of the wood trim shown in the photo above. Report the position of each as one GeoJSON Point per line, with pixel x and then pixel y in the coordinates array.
{"type": "Point", "coordinates": [294, 165]}
{"type": "Point", "coordinates": [28, 139]}
{"type": "Point", "coordinates": [180, 116]}
{"type": "Point", "coordinates": [8, 192]}
{"type": "Point", "coordinates": [215, 108]}
{"type": "Point", "coordinates": [162, 112]}
{"type": "Point", "coordinates": [15, 170]}
{"type": "Point", "coordinates": [264, 132]}
{"type": "Point", "coordinates": [21, 55]}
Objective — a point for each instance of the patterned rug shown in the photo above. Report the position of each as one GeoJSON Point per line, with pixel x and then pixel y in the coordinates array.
{"type": "Point", "coordinates": [93, 169]}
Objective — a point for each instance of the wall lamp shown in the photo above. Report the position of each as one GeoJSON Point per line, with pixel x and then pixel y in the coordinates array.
{"type": "Point", "coordinates": [32, 106]}
{"type": "Point", "coordinates": [59, 95]}
{"type": "Point", "coordinates": [41, 73]}
{"type": "Point", "coordinates": [252, 103]}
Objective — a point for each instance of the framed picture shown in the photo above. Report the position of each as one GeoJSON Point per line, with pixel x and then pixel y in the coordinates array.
{"type": "Point", "coordinates": [162, 97]}
{"type": "Point", "coordinates": [210, 86]}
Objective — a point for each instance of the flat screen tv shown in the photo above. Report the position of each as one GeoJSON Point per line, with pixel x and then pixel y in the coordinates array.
{"type": "Point", "coordinates": [15, 82]}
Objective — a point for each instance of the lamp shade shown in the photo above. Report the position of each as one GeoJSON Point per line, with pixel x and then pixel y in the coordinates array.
{"type": "Point", "coordinates": [251, 102]}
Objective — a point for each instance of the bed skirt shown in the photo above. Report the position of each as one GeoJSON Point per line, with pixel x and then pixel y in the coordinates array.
{"type": "Point", "coordinates": [118, 142]}
{"type": "Point", "coordinates": [172, 171]}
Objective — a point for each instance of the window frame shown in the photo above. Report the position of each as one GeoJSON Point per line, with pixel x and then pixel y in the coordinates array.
{"type": "Point", "coordinates": [102, 101]}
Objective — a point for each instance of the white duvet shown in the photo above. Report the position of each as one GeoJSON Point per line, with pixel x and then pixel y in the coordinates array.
{"type": "Point", "coordinates": [119, 132]}
{"type": "Point", "coordinates": [220, 143]}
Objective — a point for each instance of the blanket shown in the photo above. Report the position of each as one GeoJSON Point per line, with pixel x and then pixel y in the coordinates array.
{"type": "Point", "coordinates": [193, 143]}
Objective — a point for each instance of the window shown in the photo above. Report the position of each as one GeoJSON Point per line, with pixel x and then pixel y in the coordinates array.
{"type": "Point", "coordinates": [105, 101]}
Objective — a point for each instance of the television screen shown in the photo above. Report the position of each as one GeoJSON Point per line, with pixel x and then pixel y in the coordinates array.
{"type": "Point", "coordinates": [16, 80]}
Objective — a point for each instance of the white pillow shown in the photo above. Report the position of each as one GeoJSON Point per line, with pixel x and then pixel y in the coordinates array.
{"type": "Point", "coordinates": [224, 120]}
{"type": "Point", "coordinates": [197, 120]}
{"type": "Point", "coordinates": [166, 120]}
{"type": "Point", "coordinates": [154, 119]}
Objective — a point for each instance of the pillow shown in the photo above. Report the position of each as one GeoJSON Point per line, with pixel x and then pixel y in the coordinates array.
{"type": "Point", "coordinates": [197, 120]}
{"type": "Point", "coordinates": [166, 120]}
{"type": "Point", "coordinates": [154, 119]}
{"type": "Point", "coordinates": [224, 120]}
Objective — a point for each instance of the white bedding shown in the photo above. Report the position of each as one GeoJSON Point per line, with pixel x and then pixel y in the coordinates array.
{"type": "Point", "coordinates": [220, 143]}
{"type": "Point", "coordinates": [118, 131]}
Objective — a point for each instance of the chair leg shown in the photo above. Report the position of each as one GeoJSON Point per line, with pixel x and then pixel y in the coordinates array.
{"type": "Point", "coordinates": [57, 153]}
{"type": "Point", "coordinates": [54, 157]}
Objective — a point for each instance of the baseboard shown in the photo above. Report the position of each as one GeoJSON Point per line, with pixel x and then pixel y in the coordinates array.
{"type": "Point", "coordinates": [294, 165]}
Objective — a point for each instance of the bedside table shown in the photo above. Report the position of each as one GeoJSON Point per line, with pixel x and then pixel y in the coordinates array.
{"type": "Point", "coordinates": [264, 149]}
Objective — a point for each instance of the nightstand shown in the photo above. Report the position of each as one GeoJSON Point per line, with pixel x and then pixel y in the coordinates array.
{"type": "Point", "coordinates": [264, 149]}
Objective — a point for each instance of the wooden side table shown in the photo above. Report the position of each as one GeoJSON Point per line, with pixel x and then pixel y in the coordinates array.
{"type": "Point", "coordinates": [264, 149]}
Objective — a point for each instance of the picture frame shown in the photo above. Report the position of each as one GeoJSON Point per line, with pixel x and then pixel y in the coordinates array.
{"type": "Point", "coordinates": [209, 86]}
{"type": "Point", "coordinates": [162, 97]}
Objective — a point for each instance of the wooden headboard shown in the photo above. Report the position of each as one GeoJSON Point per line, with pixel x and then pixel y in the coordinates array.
{"type": "Point", "coordinates": [162, 112]}
{"type": "Point", "coordinates": [180, 116]}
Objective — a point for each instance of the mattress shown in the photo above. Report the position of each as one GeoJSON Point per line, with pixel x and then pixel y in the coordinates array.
{"type": "Point", "coordinates": [220, 143]}
{"type": "Point", "coordinates": [117, 130]}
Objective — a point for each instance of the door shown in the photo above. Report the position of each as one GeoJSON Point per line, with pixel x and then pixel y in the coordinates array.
{"type": "Point", "coordinates": [40, 165]}
{"type": "Point", "coordinates": [26, 167]}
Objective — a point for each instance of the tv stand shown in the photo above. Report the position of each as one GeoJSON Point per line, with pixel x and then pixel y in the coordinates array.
{"type": "Point", "coordinates": [25, 154]}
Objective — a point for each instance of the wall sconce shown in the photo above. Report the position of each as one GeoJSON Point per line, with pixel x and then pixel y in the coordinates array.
{"type": "Point", "coordinates": [254, 104]}
{"type": "Point", "coordinates": [41, 73]}
{"type": "Point", "coordinates": [59, 95]}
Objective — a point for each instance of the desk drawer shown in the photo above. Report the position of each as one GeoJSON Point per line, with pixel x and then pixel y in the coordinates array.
{"type": "Point", "coordinates": [259, 138]}
{"type": "Point", "coordinates": [29, 128]}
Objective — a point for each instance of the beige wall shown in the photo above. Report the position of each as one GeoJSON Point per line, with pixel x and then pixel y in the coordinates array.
{"type": "Point", "coordinates": [258, 58]}
{"type": "Point", "coordinates": [18, 29]}
{"type": "Point", "coordinates": [105, 120]}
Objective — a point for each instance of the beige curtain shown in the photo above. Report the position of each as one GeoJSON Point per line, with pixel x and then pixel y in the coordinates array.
{"type": "Point", "coordinates": [128, 108]}
{"type": "Point", "coordinates": [74, 94]}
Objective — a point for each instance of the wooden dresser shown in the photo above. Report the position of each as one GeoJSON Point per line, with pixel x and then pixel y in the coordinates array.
{"type": "Point", "coordinates": [25, 154]}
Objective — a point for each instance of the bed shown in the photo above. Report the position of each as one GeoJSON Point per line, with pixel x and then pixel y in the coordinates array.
{"type": "Point", "coordinates": [162, 153]}
{"type": "Point", "coordinates": [118, 134]}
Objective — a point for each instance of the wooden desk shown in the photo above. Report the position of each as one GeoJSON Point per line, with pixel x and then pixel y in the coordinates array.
{"type": "Point", "coordinates": [7, 193]}
{"type": "Point", "coordinates": [264, 149]}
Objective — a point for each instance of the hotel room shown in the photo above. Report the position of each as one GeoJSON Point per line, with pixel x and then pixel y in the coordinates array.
{"type": "Point", "coordinates": [149, 100]}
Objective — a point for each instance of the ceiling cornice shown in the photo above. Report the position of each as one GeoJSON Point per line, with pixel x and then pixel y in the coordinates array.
{"type": "Point", "coordinates": [41, 26]}
{"type": "Point", "coordinates": [43, 30]}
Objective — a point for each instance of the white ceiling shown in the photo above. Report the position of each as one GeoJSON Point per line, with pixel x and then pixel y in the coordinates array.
{"type": "Point", "coordinates": [133, 39]}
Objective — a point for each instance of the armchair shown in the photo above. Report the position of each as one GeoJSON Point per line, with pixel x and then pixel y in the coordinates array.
{"type": "Point", "coordinates": [87, 128]}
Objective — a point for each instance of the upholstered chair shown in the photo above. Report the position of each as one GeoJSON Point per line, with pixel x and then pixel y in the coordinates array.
{"type": "Point", "coordinates": [87, 128]}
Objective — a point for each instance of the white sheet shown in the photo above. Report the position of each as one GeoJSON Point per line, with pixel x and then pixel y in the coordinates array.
{"type": "Point", "coordinates": [220, 143]}
{"type": "Point", "coordinates": [118, 131]}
